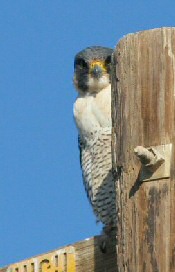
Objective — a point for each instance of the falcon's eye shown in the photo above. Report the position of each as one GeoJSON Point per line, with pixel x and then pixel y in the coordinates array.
{"type": "Point", "coordinates": [82, 63]}
{"type": "Point", "coordinates": [108, 60]}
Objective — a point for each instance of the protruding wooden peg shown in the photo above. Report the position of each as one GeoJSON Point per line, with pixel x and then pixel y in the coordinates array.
{"type": "Point", "coordinates": [155, 161]}
{"type": "Point", "coordinates": [149, 157]}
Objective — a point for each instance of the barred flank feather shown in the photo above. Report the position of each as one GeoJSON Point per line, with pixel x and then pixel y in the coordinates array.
{"type": "Point", "coordinates": [96, 163]}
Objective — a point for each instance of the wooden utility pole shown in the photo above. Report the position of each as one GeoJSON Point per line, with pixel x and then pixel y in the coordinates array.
{"type": "Point", "coordinates": [144, 117]}
{"type": "Point", "coordinates": [143, 146]}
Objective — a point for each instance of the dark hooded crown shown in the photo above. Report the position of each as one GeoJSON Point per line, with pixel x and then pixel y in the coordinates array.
{"type": "Point", "coordinates": [93, 52]}
{"type": "Point", "coordinates": [84, 58]}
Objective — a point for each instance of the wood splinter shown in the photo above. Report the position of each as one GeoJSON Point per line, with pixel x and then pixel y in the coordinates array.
{"type": "Point", "coordinates": [149, 157]}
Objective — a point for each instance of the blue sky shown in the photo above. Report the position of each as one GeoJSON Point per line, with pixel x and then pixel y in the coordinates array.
{"type": "Point", "coordinates": [42, 201]}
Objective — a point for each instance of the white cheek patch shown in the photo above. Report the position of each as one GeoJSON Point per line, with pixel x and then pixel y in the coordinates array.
{"type": "Point", "coordinates": [95, 85]}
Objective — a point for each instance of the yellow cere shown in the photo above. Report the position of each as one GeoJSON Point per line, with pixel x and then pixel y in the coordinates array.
{"type": "Point", "coordinates": [98, 63]}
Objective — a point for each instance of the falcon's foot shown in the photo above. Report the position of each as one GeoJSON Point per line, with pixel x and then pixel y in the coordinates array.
{"type": "Point", "coordinates": [107, 237]}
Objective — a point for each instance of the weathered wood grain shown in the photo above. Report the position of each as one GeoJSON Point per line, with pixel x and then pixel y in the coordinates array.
{"type": "Point", "coordinates": [84, 256]}
{"type": "Point", "coordinates": [90, 258]}
{"type": "Point", "coordinates": [144, 114]}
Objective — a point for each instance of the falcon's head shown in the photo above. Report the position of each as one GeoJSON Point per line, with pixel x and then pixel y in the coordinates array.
{"type": "Point", "coordinates": [92, 69]}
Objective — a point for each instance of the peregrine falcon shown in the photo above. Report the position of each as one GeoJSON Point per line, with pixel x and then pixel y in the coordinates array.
{"type": "Point", "coordinates": [92, 113]}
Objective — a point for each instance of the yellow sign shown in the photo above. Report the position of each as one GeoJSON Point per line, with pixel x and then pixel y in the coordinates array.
{"type": "Point", "coordinates": [62, 260]}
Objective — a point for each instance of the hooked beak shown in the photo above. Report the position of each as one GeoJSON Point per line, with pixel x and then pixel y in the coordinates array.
{"type": "Point", "coordinates": [97, 71]}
